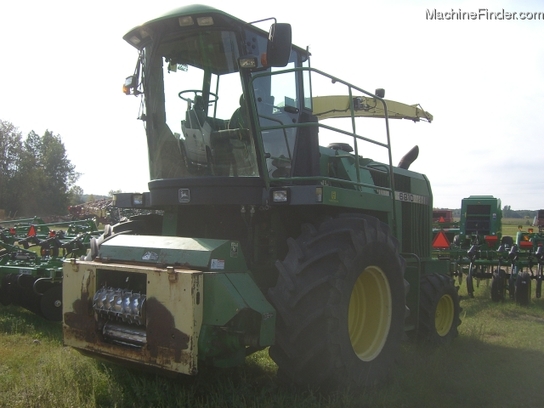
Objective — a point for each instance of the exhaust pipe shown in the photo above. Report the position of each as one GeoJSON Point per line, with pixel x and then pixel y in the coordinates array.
{"type": "Point", "coordinates": [409, 158]}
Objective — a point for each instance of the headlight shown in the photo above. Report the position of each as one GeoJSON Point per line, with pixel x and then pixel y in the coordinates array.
{"type": "Point", "coordinates": [280, 196]}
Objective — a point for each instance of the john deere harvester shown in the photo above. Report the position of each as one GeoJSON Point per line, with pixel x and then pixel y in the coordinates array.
{"type": "Point", "coordinates": [272, 225]}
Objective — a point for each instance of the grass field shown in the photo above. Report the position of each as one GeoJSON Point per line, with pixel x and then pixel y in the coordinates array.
{"type": "Point", "coordinates": [496, 361]}
{"type": "Point", "coordinates": [510, 226]}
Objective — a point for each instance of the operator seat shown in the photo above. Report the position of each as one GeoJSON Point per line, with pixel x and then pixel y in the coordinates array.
{"type": "Point", "coordinates": [240, 118]}
{"type": "Point", "coordinates": [232, 147]}
{"type": "Point", "coordinates": [200, 109]}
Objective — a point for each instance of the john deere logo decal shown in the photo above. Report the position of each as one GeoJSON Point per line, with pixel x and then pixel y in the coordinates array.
{"type": "Point", "coordinates": [184, 195]}
{"type": "Point", "coordinates": [150, 256]}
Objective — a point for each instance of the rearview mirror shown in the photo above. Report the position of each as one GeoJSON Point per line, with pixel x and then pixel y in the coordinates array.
{"type": "Point", "coordinates": [278, 49]}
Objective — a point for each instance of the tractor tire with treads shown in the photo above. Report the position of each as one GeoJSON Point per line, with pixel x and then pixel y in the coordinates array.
{"type": "Point", "coordinates": [340, 301]}
{"type": "Point", "coordinates": [439, 309]}
{"type": "Point", "coordinates": [51, 303]}
{"type": "Point", "coordinates": [5, 289]}
{"type": "Point", "coordinates": [522, 292]}
{"type": "Point", "coordinates": [498, 285]}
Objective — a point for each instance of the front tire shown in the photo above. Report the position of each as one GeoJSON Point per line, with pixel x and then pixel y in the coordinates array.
{"type": "Point", "coordinates": [439, 309]}
{"type": "Point", "coordinates": [340, 300]}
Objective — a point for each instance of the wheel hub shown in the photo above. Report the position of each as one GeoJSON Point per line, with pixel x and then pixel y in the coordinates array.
{"type": "Point", "coordinates": [369, 314]}
{"type": "Point", "coordinates": [444, 315]}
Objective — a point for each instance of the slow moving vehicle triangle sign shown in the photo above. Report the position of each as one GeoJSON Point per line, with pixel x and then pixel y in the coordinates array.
{"type": "Point", "coordinates": [440, 241]}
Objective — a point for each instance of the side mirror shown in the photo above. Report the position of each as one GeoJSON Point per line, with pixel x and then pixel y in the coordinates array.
{"type": "Point", "coordinates": [278, 49]}
{"type": "Point", "coordinates": [380, 92]}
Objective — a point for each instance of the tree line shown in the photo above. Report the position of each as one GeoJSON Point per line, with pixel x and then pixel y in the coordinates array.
{"type": "Point", "coordinates": [36, 176]}
{"type": "Point", "coordinates": [507, 212]}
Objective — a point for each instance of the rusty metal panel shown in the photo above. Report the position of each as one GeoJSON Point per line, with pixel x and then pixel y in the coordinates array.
{"type": "Point", "coordinates": [173, 317]}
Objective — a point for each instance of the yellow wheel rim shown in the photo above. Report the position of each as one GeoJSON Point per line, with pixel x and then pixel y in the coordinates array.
{"type": "Point", "coordinates": [443, 319]}
{"type": "Point", "coordinates": [369, 314]}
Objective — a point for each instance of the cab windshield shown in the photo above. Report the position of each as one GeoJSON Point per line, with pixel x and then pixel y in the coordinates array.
{"type": "Point", "coordinates": [194, 116]}
{"type": "Point", "coordinates": [202, 121]}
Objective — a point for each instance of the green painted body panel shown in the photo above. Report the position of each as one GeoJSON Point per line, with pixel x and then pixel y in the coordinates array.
{"type": "Point", "coordinates": [221, 299]}
{"type": "Point", "coordinates": [50, 268]}
{"type": "Point", "coordinates": [229, 289]}
{"type": "Point", "coordinates": [226, 294]}
{"type": "Point", "coordinates": [193, 9]}
{"type": "Point", "coordinates": [352, 198]}
{"type": "Point", "coordinates": [204, 254]}
{"type": "Point", "coordinates": [415, 269]}
{"type": "Point", "coordinates": [420, 186]}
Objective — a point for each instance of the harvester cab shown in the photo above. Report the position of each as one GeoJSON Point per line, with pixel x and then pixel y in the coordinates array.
{"type": "Point", "coordinates": [269, 227]}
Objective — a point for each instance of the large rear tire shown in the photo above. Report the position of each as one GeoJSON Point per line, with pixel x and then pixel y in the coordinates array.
{"type": "Point", "coordinates": [439, 309]}
{"type": "Point", "coordinates": [340, 300]}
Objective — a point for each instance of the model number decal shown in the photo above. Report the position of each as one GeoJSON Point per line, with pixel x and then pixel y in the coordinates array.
{"type": "Point", "coordinates": [217, 264]}
{"type": "Point", "coordinates": [411, 198]}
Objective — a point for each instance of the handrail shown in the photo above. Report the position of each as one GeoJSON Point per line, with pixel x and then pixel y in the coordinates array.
{"type": "Point", "coordinates": [351, 89]}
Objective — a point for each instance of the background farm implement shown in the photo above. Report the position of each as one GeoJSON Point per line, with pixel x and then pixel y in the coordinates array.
{"type": "Point", "coordinates": [31, 256]}
{"type": "Point", "coordinates": [478, 251]}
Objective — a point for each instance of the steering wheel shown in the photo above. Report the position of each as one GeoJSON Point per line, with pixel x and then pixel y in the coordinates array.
{"type": "Point", "coordinates": [196, 93]}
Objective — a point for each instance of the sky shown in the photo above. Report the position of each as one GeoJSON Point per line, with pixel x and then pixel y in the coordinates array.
{"type": "Point", "coordinates": [63, 63]}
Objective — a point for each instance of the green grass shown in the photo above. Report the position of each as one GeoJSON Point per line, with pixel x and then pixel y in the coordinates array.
{"type": "Point", "coordinates": [496, 361]}
{"type": "Point", "coordinates": [510, 226]}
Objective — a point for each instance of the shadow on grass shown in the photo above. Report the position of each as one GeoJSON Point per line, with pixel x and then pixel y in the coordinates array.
{"type": "Point", "coordinates": [16, 320]}
{"type": "Point", "coordinates": [469, 372]}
